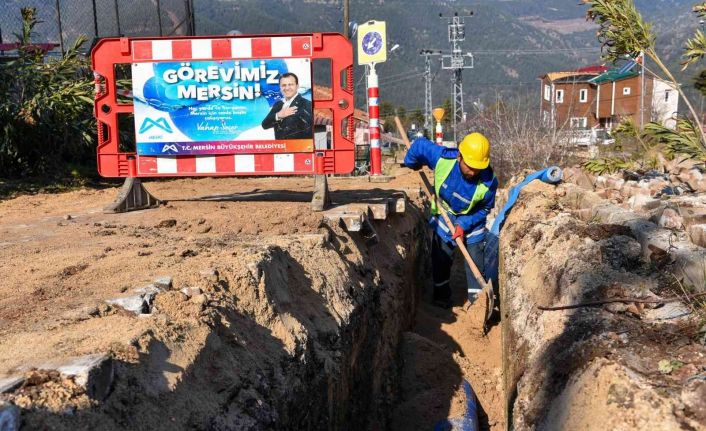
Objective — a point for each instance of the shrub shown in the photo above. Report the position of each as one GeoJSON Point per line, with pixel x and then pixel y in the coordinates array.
{"type": "Point", "coordinates": [46, 108]}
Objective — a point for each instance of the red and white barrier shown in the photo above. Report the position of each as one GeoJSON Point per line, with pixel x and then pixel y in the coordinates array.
{"type": "Point", "coordinates": [207, 49]}
{"type": "Point", "coordinates": [227, 164]}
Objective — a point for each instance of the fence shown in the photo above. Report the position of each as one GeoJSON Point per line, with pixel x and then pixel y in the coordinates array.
{"type": "Point", "coordinates": [62, 21]}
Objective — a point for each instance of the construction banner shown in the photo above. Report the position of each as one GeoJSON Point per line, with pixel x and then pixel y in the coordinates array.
{"type": "Point", "coordinates": [223, 107]}
{"type": "Point", "coordinates": [372, 42]}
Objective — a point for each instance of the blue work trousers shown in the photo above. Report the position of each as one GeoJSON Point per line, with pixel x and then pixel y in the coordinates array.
{"type": "Point", "coordinates": [442, 255]}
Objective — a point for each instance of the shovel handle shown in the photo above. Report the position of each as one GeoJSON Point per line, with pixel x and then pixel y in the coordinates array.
{"type": "Point", "coordinates": [430, 190]}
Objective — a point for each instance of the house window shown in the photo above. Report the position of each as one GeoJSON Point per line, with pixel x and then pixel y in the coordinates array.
{"type": "Point", "coordinates": [547, 92]}
{"type": "Point", "coordinates": [579, 122]}
{"type": "Point", "coordinates": [559, 96]}
{"type": "Point", "coordinates": [626, 91]}
{"type": "Point", "coordinates": [583, 95]}
{"type": "Point", "coordinates": [666, 95]}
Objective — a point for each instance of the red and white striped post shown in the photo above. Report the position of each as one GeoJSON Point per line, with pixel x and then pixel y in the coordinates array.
{"type": "Point", "coordinates": [374, 122]}
{"type": "Point", "coordinates": [438, 114]}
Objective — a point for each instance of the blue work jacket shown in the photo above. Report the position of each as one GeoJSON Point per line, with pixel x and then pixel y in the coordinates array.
{"type": "Point", "coordinates": [456, 191]}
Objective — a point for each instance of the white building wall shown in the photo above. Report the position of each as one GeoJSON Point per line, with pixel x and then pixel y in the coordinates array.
{"type": "Point", "coordinates": [665, 102]}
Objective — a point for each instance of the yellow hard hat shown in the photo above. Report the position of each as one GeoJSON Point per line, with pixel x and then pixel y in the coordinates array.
{"type": "Point", "coordinates": [475, 151]}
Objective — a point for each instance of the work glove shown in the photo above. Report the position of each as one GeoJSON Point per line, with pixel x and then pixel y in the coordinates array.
{"type": "Point", "coordinates": [458, 233]}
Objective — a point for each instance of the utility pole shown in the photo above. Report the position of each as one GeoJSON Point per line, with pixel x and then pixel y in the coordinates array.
{"type": "Point", "coordinates": [346, 15]}
{"type": "Point", "coordinates": [427, 93]}
{"type": "Point", "coordinates": [427, 53]}
{"type": "Point", "coordinates": [456, 62]}
{"type": "Point", "coordinates": [117, 16]}
{"type": "Point", "coordinates": [61, 31]}
{"type": "Point", "coordinates": [159, 17]}
{"type": "Point", "coordinates": [95, 20]}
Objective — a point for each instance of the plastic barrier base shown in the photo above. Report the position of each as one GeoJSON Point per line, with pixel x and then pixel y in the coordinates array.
{"type": "Point", "coordinates": [133, 196]}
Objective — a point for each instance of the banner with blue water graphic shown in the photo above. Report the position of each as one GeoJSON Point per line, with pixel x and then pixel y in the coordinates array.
{"type": "Point", "coordinates": [213, 107]}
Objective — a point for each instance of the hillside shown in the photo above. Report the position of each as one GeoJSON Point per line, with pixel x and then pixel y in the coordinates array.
{"type": "Point", "coordinates": [513, 41]}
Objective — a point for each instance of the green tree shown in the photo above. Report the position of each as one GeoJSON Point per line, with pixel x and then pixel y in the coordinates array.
{"type": "Point", "coordinates": [46, 108]}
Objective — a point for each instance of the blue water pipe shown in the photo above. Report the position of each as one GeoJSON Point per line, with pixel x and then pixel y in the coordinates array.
{"type": "Point", "coordinates": [551, 175]}
{"type": "Point", "coordinates": [469, 420]}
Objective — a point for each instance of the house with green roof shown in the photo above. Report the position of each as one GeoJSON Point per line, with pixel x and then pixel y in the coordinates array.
{"type": "Point", "coordinates": [598, 98]}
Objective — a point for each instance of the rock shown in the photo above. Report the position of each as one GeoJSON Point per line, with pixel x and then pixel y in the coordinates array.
{"type": "Point", "coordinates": [692, 216]}
{"type": "Point", "coordinates": [191, 291]}
{"type": "Point", "coordinates": [579, 177]}
{"type": "Point", "coordinates": [697, 234]}
{"type": "Point", "coordinates": [643, 203]}
{"type": "Point", "coordinates": [135, 303]}
{"type": "Point", "coordinates": [693, 395]}
{"type": "Point", "coordinates": [614, 195]}
{"type": "Point", "coordinates": [189, 253]}
{"type": "Point", "coordinates": [615, 183]}
{"type": "Point", "coordinates": [80, 314]}
{"type": "Point", "coordinates": [670, 311]}
{"type": "Point", "coordinates": [9, 417]}
{"type": "Point", "coordinates": [94, 372]}
{"type": "Point", "coordinates": [166, 223]}
{"type": "Point", "coordinates": [601, 182]}
{"type": "Point", "coordinates": [255, 271]}
{"type": "Point", "coordinates": [67, 217]}
{"type": "Point", "coordinates": [699, 186]}
{"type": "Point", "coordinates": [671, 219]}
{"type": "Point", "coordinates": [148, 293]}
{"type": "Point", "coordinates": [163, 282]}
{"type": "Point", "coordinates": [613, 214]}
{"type": "Point", "coordinates": [150, 289]}
{"type": "Point", "coordinates": [9, 384]}
{"type": "Point", "coordinates": [210, 274]}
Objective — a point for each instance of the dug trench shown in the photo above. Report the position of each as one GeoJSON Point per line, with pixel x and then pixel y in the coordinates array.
{"type": "Point", "coordinates": [234, 307]}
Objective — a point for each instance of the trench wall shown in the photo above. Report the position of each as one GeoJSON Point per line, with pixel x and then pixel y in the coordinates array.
{"type": "Point", "coordinates": [589, 367]}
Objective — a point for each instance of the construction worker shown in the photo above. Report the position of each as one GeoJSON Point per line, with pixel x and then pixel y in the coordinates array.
{"type": "Point", "coordinates": [466, 186]}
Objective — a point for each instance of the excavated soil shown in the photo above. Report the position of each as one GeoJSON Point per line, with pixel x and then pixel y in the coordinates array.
{"type": "Point", "coordinates": [274, 319]}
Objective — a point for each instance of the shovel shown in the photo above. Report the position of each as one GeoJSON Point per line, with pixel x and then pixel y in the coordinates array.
{"type": "Point", "coordinates": [486, 286]}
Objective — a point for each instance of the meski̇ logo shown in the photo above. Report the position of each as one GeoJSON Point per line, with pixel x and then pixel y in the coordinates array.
{"type": "Point", "coordinates": [160, 123]}
{"type": "Point", "coordinates": [168, 147]}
